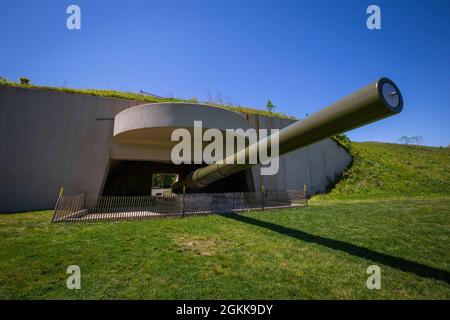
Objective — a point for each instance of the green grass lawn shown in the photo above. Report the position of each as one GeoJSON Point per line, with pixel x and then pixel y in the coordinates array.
{"type": "Point", "coordinates": [318, 252]}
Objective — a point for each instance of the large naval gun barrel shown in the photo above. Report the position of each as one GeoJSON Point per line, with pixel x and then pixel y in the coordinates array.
{"type": "Point", "coordinates": [376, 101]}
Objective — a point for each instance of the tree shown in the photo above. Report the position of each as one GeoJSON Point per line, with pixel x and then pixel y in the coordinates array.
{"type": "Point", "coordinates": [156, 180]}
{"type": "Point", "coordinates": [163, 180]}
{"type": "Point", "coordinates": [417, 140]}
{"type": "Point", "coordinates": [168, 180]}
{"type": "Point", "coordinates": [269, 106]}
{"type": "Point", "coordinates": [24, 80]}
{"type": "Point", "coordinates": [404, 140]}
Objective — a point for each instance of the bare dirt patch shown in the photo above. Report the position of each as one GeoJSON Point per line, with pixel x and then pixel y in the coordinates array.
{"type": "Point", "coordinates": [200, 246]}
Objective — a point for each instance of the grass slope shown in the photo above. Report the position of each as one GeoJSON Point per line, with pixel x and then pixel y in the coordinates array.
{"type": "Point", "coordinates": [321, 251]}
{"type": "Point", "coordinates": [383, 170]}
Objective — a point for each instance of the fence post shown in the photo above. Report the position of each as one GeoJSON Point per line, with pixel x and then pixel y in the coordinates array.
{"type": "Point", "coordinates": [306, 197]}
{"type": "Point", "coordinates": [184, 191]}
{"type": "Point", "coordinates": [262, 197]}
{"type": "Point", "coordinates": [57, 202]}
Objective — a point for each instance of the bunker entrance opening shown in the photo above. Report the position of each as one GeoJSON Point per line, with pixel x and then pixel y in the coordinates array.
{"type": "Point", "coordinates": [139, 178]}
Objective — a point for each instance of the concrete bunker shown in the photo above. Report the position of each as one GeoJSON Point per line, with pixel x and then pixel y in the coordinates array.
{"type": "Point", "coordinates": [84, 143]}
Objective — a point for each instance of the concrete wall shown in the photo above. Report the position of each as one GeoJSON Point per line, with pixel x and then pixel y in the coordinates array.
{"type": "Point", "coordinates": [51, 139]}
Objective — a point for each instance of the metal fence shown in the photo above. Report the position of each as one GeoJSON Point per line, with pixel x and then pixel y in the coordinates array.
{"type": "Point", "coordinates": [77, 208]}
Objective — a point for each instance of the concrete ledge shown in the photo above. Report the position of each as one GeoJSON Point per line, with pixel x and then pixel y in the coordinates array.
{"type": "Point", "coordinates": [156, 121]}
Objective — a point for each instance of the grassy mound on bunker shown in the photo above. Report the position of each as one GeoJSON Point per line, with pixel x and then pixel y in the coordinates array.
{"type": "Point", "coordinates": [145, 98]}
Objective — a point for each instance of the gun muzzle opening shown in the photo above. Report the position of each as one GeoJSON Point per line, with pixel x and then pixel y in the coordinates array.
{"type": "Point", "coordinates": [391, 95]}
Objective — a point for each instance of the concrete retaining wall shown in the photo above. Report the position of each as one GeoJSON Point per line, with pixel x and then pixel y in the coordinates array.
{"type": "Point", "coordinates": [51, 139]}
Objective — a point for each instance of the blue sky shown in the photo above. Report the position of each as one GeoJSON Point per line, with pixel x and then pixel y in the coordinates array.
{"type": "Point", "coordinates": [303, 55]}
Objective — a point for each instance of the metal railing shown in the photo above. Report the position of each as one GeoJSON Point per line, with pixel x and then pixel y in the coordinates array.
{"type": "Point", "coordinates": [78, 208]}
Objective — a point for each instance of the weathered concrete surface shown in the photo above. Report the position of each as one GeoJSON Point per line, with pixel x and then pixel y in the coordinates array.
{"type": "Point", "coordinates": [135, 122]}
{"type": "Point", "coordinates": [51, 139]}
{"type": "Point", "coordinates": [144, 132]}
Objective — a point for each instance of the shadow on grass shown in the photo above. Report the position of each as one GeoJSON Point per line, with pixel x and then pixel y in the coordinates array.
{"type": "Point", "coordinates": [361, 252]}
